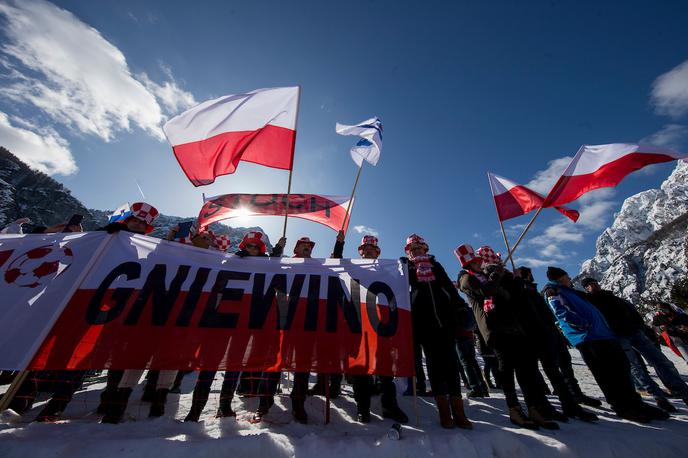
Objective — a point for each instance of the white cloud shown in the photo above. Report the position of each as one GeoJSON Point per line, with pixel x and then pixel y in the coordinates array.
{"type": "Point", "coordinates": [670, 92]}
{"type": "Point", "coordinates": [543, 180]}
{"type": "Point", "coordinates": [173, 98]}
{"type": "Point", "coordinates": [46, 150]}
{"type": "Point", "coordinates": [366, 230]}
{"type": "Point", "coordinates": [68, 70]}
{"type": "Point", "coordinates": [671, 135]}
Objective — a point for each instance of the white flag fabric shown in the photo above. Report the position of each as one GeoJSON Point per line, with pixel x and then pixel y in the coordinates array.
{"type": "Point", "coordinates": [370, 145]}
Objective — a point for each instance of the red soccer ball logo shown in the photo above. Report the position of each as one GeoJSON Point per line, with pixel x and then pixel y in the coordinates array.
{"type": "Point", "coordinates": [38, 266]}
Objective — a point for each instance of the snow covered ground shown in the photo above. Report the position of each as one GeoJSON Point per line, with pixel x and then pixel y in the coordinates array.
{"type": "Point", "coordinates": [80, 434]}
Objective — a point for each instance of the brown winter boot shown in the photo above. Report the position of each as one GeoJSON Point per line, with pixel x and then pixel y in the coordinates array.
{"type": "Point", "coordinates": [519, 418]}
{"type": "Point", "coordinates": [541, 419]}
{"type": "Point", "coordinates": [458, 413]}
{"type": "Point", "coordinates": [445, 411]}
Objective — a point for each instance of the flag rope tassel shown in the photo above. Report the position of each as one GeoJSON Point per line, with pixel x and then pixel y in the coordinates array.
{"type": "Point", "coordinates": [351, 199]}
{"type": "Point", "coordinates": [523, 234]}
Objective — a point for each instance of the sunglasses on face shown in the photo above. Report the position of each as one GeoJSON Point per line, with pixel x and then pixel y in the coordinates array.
{"type": "Point", "coordinates": [252, 246]}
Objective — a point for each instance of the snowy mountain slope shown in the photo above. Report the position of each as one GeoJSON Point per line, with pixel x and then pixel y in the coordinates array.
{"type": "Point", "coordinates": [645, 250]}
{"type": "Point", "coordinates": [80, 435]}
{"type": "Point", "coordinates": [25, 192]}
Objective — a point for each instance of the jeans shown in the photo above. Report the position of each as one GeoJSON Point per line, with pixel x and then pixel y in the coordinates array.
{"type": "Point", "coordinates": [465, 347]}
{"type": "Point", "coordinates": [666, 371]}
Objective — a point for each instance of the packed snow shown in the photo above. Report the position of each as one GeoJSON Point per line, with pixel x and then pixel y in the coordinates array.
{"type": "Point", "coordinates": [80, 434]}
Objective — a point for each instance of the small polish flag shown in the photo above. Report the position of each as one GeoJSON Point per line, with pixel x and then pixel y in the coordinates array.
{"type": "Point", "coordinates": [604, 166]}
{"type": "Point", "coordinates": [512, 199]}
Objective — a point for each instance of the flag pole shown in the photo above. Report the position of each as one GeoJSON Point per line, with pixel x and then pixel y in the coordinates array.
{"type": "Point", "coordinates": [291, 169]}
{"type": "Point", "coordinates": [523, 234]}
{"type": "Point", "coordinates": [286, 206]}
{"type": "Point", "coordinates": [351, 199]}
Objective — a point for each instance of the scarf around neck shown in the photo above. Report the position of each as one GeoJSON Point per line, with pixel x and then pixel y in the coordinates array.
{"type": "Point", "coordinates": [423, 268]}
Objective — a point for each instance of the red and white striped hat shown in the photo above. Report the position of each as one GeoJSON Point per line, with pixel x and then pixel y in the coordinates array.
{"type": "Point", "coordinates": [221, 242]}
{"type": "Point", "coordinates": [368, 240]}
{"type": "Point", "coordinates": [415, 239]}
{"type": "Point", "coordinates": [144, 212]}
{"type": "Point", "coordinates": [465, 254]}
{"type": "Point", "coordinates": [254, 238]}
{"type": "Point", "coordinates": [488, 255]}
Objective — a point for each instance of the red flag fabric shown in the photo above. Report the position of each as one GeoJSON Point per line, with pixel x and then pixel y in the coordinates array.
{"type": "Point", "coordinates": [210, 139]}
{"type": "Point", "coordinates": [144, 303]}
{"type": "Point", "coordinates": [327, 210]}
{"type": "Point", "coordinates": [604, 166]}
{"type": "Point", "coordinates": [514, 200]}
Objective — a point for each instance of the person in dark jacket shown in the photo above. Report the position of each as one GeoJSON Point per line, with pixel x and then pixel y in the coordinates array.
{"type": "Point", "coordinates": [252, 244]}
{"type": "Point", "coordinates": [302, 249]}
{"type": "Point", "coordinates": [625, 321]}
{"type": "Point", "coordinates": [540, 324]}
{"type": "Point", "coordinates": [437, 314]}
{"type": "Point", "coordinates": [492, 293]}
{"type": "Point", "coordinates": [673, 326]}
{"type": "Point", "coordinates": [364, 384]}
{"type": "Point", "coordinates": [587, 330]}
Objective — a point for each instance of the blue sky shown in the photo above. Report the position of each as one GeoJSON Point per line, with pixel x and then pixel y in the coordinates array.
{"type": "Point", "coordinates": [461, 87]}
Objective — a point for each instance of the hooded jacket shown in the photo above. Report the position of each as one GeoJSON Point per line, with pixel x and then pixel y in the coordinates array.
{"type": "Point", "coordinates": [578, 319]}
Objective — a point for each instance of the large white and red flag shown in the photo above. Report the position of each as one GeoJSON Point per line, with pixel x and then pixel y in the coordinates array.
{"type": "Point", "coordinates": [604, 166]}
{"type": "Point", "coordinates": [330, 211]}
{"type": "Point", "coordinates": [513, 199]}
{"type": "Point", "coordinates": [128, 301]}
{"type": "Point", "coordinates": [210, 139]}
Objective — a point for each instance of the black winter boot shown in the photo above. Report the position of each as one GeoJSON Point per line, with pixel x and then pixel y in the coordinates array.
{"type": "Point", "coordinates": [52, 410]}
{"type": "Point", "coordinates": [157, 408]}
{"type": "Point", "coordinates": [665, 405]}
{"type": "Point", "coordinates": [116, 409]}
{"type": "Point", "coordinates": [298, 410]}
{"type": "Point", "coordinates": [576, 411]}
{"type": "Point", "coordinates": [225, 408]}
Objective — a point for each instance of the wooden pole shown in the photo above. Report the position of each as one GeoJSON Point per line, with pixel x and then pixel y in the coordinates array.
{"type": "Point", "coordinates": [523, 234]}
{"type": "Point", "coordinates": [286, 206]}
{"type": "Point", "coordinates": [291, 170]}
{"type": "Point", "coordinates": [351, 199]}
{"type": "Point", "coordinates": [506, 242]}
{"type": "Point", "coordinates": [415, 401]}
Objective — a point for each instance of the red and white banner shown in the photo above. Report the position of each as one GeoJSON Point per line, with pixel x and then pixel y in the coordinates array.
{"type": "Point", "coordinates": [150, 303]}
{"type": "Point", "coordinates": [512, 199]}
{"type": "Point", "coordinates": [210, 139]}
{"type": "Point", "coordinates": [327, 210]}
{"type": "Point", "coordinates": [604, 166]}
{"type": "Point", "coordinates": [38, 274]}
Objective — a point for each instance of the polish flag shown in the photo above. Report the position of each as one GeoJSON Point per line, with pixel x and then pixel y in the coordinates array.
{"type": "Point", "coordinates": [514, 200]}
{"type": "Point", "coordinates": [210, 139]}
{"type": "Point", "coordinates": [604, 166]}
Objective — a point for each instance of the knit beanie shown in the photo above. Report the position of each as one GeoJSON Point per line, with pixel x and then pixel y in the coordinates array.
{"type": "Point", "coordinates": [555, 273]}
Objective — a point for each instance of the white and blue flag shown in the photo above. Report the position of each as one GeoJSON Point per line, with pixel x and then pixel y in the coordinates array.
{"type": "Point", "coordinates": [122, 212]}
{"type": "Point", "coordinates": [370, 145]}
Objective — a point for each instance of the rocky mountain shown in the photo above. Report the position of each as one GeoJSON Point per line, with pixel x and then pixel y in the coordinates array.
{"type": "Point", "coordinates": [25, 192]}
{"type": "Point", "coordinates": [645, 251]}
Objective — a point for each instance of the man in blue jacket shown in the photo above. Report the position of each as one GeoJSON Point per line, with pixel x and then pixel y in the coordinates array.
{"type": "Point", "coordinates": [586, 329]}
